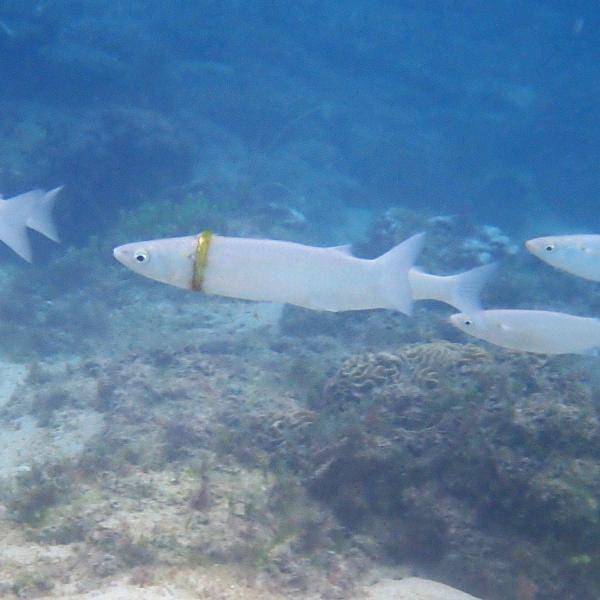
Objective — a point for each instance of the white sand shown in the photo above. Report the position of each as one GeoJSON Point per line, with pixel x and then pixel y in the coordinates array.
{"type": "Point", "coordinates": [23, 443]}
{"type": "Point", "coordinates": [212, 583]}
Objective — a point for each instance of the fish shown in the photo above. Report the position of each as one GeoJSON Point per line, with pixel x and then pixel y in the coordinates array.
{"type": "Point", "coordinates": [31, 210]}
{"type": "Point", "coordinates": [538, 331]}
{"type": "Point", "coordinates": [328, 279]}
{"type": "Point", "coordinates": [576, 254]}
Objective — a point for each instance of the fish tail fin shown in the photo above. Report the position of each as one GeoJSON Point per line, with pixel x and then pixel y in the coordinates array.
{"type": "Point", "coordinates": [395, 266]}
{"type": "Point", "coordinates": [40, 215]}
{"type": "Point", "coordinates": [14, 235]}
{"type": "Point", "coordinates": [13, 222]}
{"type": "Point", "coordinates": [464, 289]}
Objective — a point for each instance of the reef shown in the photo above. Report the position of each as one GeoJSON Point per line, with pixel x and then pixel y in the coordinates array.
{"type": "Point", "coordinates": [323, 445]}
{"type": "Point", "coordinates": [242, 435]}
{"type": "Point", "coordinates": [481, 465]}
{"type": "Point", "coordinates": [151, 438]}
{"type": "Point", "coordinates": [305, 448]}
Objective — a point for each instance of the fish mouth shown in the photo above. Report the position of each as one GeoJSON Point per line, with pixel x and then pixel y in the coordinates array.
{"type": "Point", "coordinates": [530, 245]}
{"type": "Point", "coordinates": [118, 253]}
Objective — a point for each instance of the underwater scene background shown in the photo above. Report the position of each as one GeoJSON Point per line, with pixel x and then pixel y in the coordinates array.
{"type": "Point", "coordinates": [155, 441]}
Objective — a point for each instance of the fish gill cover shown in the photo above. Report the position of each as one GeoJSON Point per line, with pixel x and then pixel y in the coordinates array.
{"type": "Point", "coordinates": [145, 428]}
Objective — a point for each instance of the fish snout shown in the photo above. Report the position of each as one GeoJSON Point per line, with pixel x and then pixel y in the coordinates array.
{"type": "Point", "coordinates": [119, 254]}
{"type": "Point", "coordinates": [535, 246]}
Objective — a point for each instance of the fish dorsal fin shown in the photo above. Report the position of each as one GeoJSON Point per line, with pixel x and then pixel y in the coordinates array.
{"type": "Point", "coordinates": [343, 249]}
{"type": "Point", "coordinates": [394, 267]}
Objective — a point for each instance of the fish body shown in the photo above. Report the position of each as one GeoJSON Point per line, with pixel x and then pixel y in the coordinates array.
{"type": "Point", "coordinates": [328, 279]}
{"type": "Point", "coordinates": [575, 254]}
{"type": "Point", "coordinates": [540, 331]}
{"type": "Point", "coordinates": [317, 278]}
{"type": "Point", "coordinates": [31, 210]}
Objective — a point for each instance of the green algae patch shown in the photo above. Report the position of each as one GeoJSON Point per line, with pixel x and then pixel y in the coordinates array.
{"type": "Point", "coordinates": [35, 492]}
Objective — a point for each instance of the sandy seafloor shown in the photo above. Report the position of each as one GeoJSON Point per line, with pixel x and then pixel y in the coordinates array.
{"type": "Point", "coordinates": [90, 542]}
{"type": "Point", "coordinates": [123, 507]}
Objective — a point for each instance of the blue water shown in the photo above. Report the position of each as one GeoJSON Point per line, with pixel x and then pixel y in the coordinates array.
{"type": "Point", "coordinates": [456, 108]}
{"type": "Point", "coordinates": [321, 122]}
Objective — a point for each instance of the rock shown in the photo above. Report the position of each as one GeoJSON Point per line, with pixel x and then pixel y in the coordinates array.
{"type": "Point", "coordinates": [415, 588]}
{"type": "Point", "coordinates": [129, 592]}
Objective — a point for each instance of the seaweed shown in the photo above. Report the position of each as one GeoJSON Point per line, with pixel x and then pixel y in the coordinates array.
{"type": "Point", "coordinates": [36, 491]}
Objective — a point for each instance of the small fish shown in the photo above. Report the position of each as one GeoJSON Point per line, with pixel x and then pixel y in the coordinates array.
{"type": "Point", "coordinates": [317, 278]}
{"type": "Point", "coordinates": [31, 209]}
{"type": "Point", "coordinates": [539, 331]}
{"type": "Point", "coordinates": [575, 254]}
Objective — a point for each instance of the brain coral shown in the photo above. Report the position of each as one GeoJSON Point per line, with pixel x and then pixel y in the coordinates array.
{"type": "Point", "coordinates": [422, 365]}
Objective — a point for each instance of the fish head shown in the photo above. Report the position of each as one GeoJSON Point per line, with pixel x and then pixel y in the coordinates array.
{"type": "Point", "coordinates": [577, 254]}
{"type": "Point", "coordinates": [548, 248]}
{"type": "Point", "coordinates": [169, 260]}
{"type": "Point", "coordinates": [471, 323]}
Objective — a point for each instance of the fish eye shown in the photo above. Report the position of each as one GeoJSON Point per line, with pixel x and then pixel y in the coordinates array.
{"type": "Point", "coordinates": [549, 247]}
{"type": "Point", "coordinates": [141, 256]}
{"type": "Point", "coordinates": [468, 322]}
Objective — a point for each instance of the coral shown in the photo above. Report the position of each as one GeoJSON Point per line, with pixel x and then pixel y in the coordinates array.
{"type": "Point", "coordinates": [178, 437]}
{"type": "Point", "coordinates": [37, 490]}
{"type": "Point", "coordinates": [409, 442]}
{"type": "Point", "coordinates": [422, 365]}
{"type": "Point", "coordinates": [420, 453]}
{"type": "Point", "coordinates": [63, 530]}
{"type": "Point", "coordinates": [32, 585]}
{"type": "Point", "coordinates": [200, 498]}
{"type": "Point", "coordinates": [48, 400]}
{"type": "Point", "coordinates": [134, 553]}
{"type": "Point", "coordinates": [452, 243]}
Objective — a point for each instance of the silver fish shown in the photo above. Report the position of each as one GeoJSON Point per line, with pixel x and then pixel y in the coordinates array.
{"type": "Point", "coordinates": [318, 278]}
{"type": "Point", "coordinates": [575, 254]}
{"type": "Point", "coordinates": [539, 331]}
